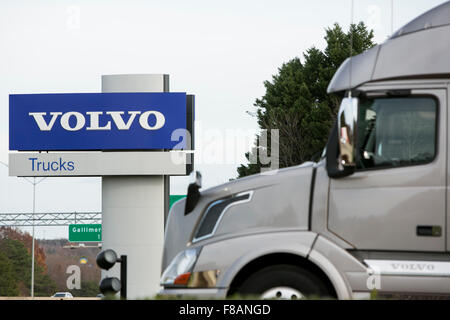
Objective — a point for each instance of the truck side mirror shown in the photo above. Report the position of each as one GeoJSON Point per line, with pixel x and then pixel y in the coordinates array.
{"type": "Point", "coordinates": [193, 194]}
{"type": "Point", "coordinates": [347, 124]}
{"type": "Point", "coordinates": [340, 149]}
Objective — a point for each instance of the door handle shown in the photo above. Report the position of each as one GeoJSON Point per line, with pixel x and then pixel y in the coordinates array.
{"type": "Point", "coordinates": [429, 231]}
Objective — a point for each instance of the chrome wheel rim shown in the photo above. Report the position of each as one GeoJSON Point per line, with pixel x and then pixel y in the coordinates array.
{"type": "Point", "coordinates": [282, 293]}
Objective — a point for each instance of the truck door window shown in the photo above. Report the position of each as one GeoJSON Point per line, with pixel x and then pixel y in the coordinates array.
{"type": "Point", "coordinates": [396, 132]}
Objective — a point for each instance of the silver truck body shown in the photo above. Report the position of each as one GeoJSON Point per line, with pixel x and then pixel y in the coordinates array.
{"type": "Point", "coordinates": [363, 231]}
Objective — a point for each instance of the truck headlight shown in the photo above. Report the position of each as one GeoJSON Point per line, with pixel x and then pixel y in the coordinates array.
{"type": "Point", "coordinates": [179, 270]}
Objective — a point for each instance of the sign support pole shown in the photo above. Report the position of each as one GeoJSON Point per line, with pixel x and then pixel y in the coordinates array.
{"type": "Point", "coordinates": [134, 206]}
{"type": "Point", "coordinates": [123, 277]}
{"type": "Point", "coordinates": [32, 243]}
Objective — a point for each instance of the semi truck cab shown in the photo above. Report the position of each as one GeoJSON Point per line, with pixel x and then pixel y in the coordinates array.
{"type": "Point", "coordinates": [371, 214]}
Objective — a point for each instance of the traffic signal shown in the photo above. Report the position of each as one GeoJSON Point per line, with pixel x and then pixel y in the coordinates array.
{"type": "Point", "coordinates": [111, 285]}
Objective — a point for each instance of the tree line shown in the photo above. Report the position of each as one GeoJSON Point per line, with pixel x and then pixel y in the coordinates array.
{"type": "Point", "coordinates": [15, 266]}
{"type": "Point", "coordinates": [50, 270]}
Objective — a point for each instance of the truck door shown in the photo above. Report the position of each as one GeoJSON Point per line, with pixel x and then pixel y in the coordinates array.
{"type": "Point", "coordinates": [396, 199]}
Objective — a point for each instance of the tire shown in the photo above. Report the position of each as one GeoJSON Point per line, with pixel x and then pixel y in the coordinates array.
{"type": "Point", "coordinates": [284, 282]}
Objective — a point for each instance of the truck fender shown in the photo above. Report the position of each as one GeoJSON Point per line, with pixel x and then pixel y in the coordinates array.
{"type": "Point", "coordinates": [335, 262]}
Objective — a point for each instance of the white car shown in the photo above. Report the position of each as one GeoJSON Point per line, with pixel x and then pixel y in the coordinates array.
{"type": "Point", "coordinates": [62, 295]}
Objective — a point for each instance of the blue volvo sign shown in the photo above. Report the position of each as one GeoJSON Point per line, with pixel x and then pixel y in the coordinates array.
{"type": "Point", "coordinates": [97, 121]}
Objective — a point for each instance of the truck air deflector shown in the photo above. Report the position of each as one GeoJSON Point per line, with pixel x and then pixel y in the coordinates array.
{"type": "Point", "coordinates": [213, 214]}
{"type": "Point", "coordinates": [426, 36]}
{"type": "Point", "coordinates": [436, 17]}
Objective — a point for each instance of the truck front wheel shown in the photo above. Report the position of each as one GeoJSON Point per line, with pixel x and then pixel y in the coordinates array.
{"type": "Point", "coordinates": [284, 282]}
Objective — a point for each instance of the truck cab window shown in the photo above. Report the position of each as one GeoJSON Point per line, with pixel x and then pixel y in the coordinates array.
{"type": "Point", "coordinates": [396, 132]}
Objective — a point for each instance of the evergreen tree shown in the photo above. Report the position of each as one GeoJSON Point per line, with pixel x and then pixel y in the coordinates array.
{"type": "Point", "coordinates": [296, 102]}
{"type": "Point", "coordinates": [8, 284]}
{"type": "Point", "coordinates": [19, 259]}
{"type": "Point", "coordinates": [20, 263]}
{"type": "Point", "coordinates": [88, 289]}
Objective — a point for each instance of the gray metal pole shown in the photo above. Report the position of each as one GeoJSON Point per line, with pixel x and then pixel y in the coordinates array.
{"type": "Point", "coordinates": [392, 17]}
{"type": "Point", "coordinates": [32, 236]}
{"type": "Point", "coordinates": [32, 243]}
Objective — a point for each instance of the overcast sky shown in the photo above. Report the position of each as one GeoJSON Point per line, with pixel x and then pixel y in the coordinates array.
{"type": "Point", "coordinates": [221, 51]}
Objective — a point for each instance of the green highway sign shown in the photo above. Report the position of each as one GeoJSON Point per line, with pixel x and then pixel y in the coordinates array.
{"type": "Point", "coordinates": [85, 232]}
{"type": "Point", "coordinates": [93, 232]}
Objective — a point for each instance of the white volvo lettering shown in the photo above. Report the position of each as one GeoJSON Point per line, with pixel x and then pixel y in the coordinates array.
{"type": "Point", "coordinates": [39, 118]}
{"type": "Point", "coordinates": [79, 120]}
{"type": "Point", "coordinates": [94, 123]}
{"type": "Point", "coordinates": [160, 120]}
{"type": "Point", "coordinates": [118, 120]}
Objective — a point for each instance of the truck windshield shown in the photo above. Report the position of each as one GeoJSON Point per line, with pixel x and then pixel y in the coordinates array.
{"type": "Point", "coordinates": [396, 132]}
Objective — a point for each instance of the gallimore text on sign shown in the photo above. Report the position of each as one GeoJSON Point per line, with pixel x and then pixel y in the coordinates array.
{"type": "Point", "coordinates": [97, 121]}
{"type": "Point", "coordinates": [85, 232]}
